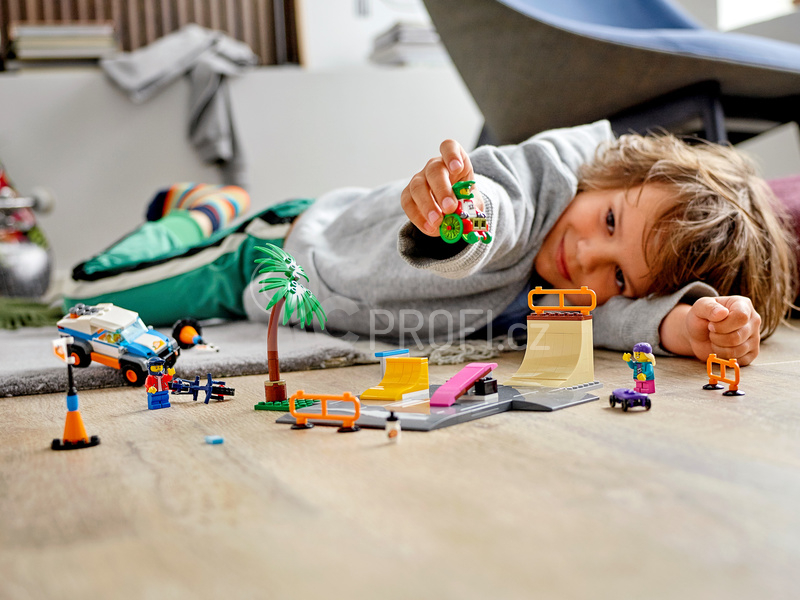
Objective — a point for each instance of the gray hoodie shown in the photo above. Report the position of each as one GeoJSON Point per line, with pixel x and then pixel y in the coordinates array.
{"type": "Point", "coordinates": [375, 272]}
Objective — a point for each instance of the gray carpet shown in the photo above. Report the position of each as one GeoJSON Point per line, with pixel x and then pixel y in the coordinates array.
{"type": "Point", "coordinates": [28, 366]}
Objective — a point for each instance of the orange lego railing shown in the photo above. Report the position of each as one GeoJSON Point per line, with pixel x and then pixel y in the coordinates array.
{"type": "Point", "coordinates": [723, 364]}
{"type": "Point", "coordinates": [584, 291]}
{"type": "Point", "coordinates": [348, 421]}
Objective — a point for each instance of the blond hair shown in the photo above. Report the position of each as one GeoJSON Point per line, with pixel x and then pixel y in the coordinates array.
{"type": "Point", "coordinates": [726, 228]}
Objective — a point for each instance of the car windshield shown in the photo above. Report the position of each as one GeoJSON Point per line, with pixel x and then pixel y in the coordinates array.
{"type": "Point", "coordinates": [134, 330]}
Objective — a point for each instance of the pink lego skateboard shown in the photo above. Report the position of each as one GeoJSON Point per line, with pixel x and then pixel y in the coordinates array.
{"type": "Point", "coordinates": [459, 383]}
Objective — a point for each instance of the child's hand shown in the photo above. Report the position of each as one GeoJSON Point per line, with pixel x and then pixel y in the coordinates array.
{"type": "Point", "coordinates": [727, 326]}
{"type": "Point", "coordinates": [429, 194]}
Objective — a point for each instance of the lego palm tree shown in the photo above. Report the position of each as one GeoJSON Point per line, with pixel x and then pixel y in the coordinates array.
{"type": "Point", "coordinates": [289, 297]}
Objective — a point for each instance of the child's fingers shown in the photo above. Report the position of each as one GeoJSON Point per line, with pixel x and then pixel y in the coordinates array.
{"type": "Point", "coordinates": [697, 319]}
{"type": "Point", "coordinates": [709, 309]}
{"type": "Point", "coordinates": [419, 206]}
{"type": "Point", "coordinates": [456, 160]}
{"type": "Point", "coordinates": [740, 313]}
{"type": "Point", "coordinates": [735, 338]}
{"type": "Point", "coordinates": [741, 344]}
{"type": "Point", "coordinates": [429, 194]}
{"type": "Point", "coordinates": [747, 358]}
{"type": "Point", "coordinates": [438, 181]}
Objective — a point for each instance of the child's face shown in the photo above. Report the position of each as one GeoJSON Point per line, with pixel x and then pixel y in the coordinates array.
{"type": "Point", "coordinates": [597, 242]}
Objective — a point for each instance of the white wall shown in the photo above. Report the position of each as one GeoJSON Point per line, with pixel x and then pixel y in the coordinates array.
{"type": "Point", "coordinates": [302, 133]}
{"type": "Point", "coordinates": [738, 13]}
{"type": "Point", "coordinates": [335, 33]}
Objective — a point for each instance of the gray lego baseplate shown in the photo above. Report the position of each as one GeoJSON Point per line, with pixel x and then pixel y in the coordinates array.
{"type": "Point", "coordinates": [418, 415]}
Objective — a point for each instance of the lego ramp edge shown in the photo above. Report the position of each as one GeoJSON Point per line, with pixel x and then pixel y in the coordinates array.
{"type": "Point", "coordinates": [559, 354]}
{"type": "Point", "coordinates": [403, 376]}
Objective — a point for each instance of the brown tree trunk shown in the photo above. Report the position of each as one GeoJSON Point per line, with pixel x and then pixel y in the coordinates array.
{"type": "Point", "coordinates": [275, 388]}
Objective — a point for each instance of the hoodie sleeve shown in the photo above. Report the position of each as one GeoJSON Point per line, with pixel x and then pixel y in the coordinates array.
{"type": "Point", "coordinates": [622, 322]}
{"type": "Point", "coordinates": [525, 188]}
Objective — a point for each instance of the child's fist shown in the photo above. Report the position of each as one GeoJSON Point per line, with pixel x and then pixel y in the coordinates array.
{"type": "Point", "coordinates": [429, 194]}
{"type": "Point", "coordinates": [727, 326]}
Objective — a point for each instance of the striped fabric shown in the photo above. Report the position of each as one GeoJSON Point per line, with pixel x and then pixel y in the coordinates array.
{"type": "Point", "coordinates": [221, 203]}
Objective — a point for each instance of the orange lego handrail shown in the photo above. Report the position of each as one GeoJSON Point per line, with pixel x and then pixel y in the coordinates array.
{"type": "Point", "coordinates": [585, 310]}
{"type": "Point", "coordinates": [723, 363]}
{"type": "Point", "coordinates": [348, 421]}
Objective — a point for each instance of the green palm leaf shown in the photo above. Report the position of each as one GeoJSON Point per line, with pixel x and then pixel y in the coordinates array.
{"type": "Point", "coordinates": [272, 283]}
{"type": "Point", "coordinates": [279, 262]}
{"type": "Point", "coordinates": [316, 309]}
{"type": "Point", "coordinates": [298, 298]}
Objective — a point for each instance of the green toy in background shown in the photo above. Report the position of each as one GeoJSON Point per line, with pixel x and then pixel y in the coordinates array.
{"type": "Point", "coordinates": [291, 296]}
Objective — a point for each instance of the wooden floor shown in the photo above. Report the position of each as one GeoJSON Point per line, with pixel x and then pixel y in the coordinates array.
{"type": "Point", "coordinates": [698, 498]}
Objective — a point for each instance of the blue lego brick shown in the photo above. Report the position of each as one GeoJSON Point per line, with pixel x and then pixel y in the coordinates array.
{"type": "Point", "coordinates": [386, 353]}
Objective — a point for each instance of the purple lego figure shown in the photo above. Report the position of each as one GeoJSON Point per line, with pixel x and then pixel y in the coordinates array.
{"type": "Point", "coordinates": [642, 363]}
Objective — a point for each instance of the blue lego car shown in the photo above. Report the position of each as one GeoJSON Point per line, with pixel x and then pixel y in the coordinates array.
{"type": "Point", "coordinates": [628, 398]}
{"type": "Point", "coordinates": [117, 338]}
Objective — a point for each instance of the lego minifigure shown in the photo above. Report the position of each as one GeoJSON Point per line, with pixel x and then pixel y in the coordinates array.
{"type": "Point", "coordinates": [642, 363]}
{"type": "Point", "coordinates": [466, 222]}
{"type": "Point", "coordinates": [157, 384]}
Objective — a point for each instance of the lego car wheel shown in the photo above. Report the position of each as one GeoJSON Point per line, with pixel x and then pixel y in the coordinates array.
{"type": "Point", "coordinates": [173, 358]}
{"type": "Point", "coordinates": [612, 400]}
{"type": "Point", "coordinates": [624, 404]}
{"type": "Point", "coordinates": [471, 237]}
{"type": "Point", "coordinates": [451, 228]}
{"type": "Point", "coordinates": [82, 353]}
{"type": "Point", "coordinates": [647, 404]}
{"type": "Point", "coordinates": [134, 374]}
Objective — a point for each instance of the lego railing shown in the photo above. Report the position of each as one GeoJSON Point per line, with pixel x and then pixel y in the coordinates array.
{"type": "Point", "coordinates": [723, 365]}
{"type": "Point", "coordinates": [348, 421]}
{"type": "Point", "coordinates": [584, 291]}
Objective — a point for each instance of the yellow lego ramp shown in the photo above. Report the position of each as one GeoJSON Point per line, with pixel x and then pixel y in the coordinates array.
{"type": "Point", "coordinates": [405, 377]}
{"type": "Point", "coordinates": [559, 353]}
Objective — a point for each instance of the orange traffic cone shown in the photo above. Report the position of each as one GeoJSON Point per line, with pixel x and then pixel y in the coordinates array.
{"type": "Point", "coordinates": [74, 432]}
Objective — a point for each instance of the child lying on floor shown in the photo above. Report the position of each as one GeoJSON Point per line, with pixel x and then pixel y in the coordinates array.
{"type": "Point", "coordinates": [681, 244]}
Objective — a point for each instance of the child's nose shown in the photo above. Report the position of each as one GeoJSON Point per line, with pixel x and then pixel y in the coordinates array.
{"type": "Point", "coordinates": [591, 255]}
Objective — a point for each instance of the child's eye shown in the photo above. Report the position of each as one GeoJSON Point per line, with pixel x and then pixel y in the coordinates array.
{"type": "Point", "coordinates": [619, 279]}
{"type": "Point", "coordinates": [610, 220]}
